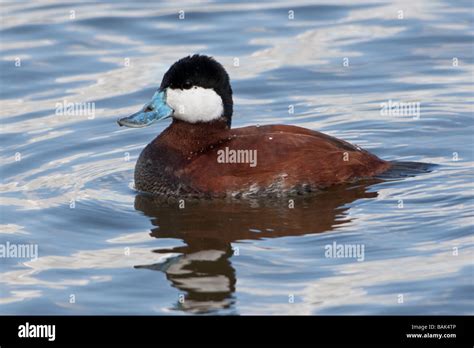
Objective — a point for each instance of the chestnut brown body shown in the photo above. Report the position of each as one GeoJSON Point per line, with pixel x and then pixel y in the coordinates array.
{"type": "Point", "coordinates": [184, 161]}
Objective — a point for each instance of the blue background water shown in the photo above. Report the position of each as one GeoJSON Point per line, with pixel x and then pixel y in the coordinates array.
{"type": "Point", "coordinates": [117, 252]}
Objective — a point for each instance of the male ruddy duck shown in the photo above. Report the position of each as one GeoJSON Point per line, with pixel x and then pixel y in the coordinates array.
{"type": "Point", "coordinates": [200, 155]}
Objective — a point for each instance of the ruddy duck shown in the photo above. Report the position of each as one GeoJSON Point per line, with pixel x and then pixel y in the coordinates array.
{"type": "Point", "coordinates": [200, 155]}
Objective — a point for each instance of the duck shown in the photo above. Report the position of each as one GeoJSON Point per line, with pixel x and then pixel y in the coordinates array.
{"type": "Point", "coordinates": [200, 155]}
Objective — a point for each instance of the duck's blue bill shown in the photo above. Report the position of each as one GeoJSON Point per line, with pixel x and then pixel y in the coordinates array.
{"type": "Point", "coordinates": [155, 110]}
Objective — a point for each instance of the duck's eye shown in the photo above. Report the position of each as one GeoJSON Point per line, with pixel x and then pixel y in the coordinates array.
{"type": "Point", "coordinates": [187, 84]}
{"type": "Point", "coordinates": [149, 108]}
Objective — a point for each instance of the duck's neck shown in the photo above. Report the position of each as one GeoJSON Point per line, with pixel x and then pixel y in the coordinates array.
{"type": "Point", "coordinates": [187, 137]}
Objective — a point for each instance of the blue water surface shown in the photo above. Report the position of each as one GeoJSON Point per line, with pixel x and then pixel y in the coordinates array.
{"type": "Point", "coordinates": [67, 179]}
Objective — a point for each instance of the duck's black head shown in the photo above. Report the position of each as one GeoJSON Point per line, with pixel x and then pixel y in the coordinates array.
{"type": "Point", "coordinates": [194, 89]}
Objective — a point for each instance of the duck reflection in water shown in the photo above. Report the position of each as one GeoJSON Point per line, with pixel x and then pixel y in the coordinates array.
{"type": "Point", "coordinates": [203, 271]}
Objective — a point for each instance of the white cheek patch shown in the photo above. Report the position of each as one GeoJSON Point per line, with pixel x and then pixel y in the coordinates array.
{"type": "Point", "coordinates": [196, 104]}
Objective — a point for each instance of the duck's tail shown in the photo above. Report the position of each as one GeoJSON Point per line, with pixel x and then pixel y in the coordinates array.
{"type": "Point", "coordinates": [406, 169]}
